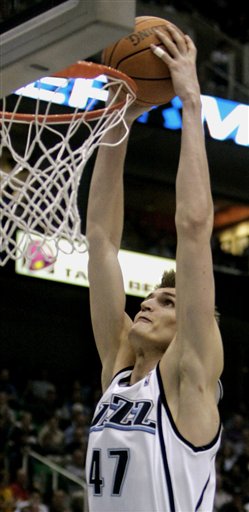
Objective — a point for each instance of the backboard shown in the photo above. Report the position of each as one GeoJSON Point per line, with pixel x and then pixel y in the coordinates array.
{"type": "Point", "coordinates": [42, 39]}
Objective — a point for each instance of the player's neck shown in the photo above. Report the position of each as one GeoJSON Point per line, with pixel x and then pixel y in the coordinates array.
{"type": "Point", "coordinates": [143, 365]}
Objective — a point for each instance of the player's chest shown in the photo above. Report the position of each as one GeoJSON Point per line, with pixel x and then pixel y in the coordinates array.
{"type": "Point", "coordinates": [122, 411]}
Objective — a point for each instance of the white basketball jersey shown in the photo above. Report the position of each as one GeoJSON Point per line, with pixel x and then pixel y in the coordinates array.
{"type": "Point", "coordinates": [137, 461]}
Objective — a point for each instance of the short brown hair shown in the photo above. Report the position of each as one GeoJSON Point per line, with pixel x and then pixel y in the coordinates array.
{"type": "Point", "coordinates": [169, 281]}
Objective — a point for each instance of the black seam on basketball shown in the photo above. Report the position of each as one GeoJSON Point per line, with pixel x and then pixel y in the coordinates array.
{"type": "Point", "coordinates": [141, 21]}
{"type": "Point", "coordinates": [150, 79]}
{"type": "Point", "coordinates": [127, 57]}
{"type": "Point", "coordinates": [112, 52]}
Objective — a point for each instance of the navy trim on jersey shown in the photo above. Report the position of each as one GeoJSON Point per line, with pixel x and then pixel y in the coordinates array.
{"type": "Point", "coordinates": [164, 457]}
{"type": "Point", "coordinates": [202, 495]}
{"type": "Point", "coordinates": [165, 403]}
{"type": "Point", "coordinates": [125, 381]}
{"type": "Point", "coordinates": [148, 430]}
{"type": "Point", "coordinates": [128, 368]}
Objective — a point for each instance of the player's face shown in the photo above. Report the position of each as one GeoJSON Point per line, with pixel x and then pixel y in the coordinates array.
{"type": "Point", "coordinates": [156, 319]}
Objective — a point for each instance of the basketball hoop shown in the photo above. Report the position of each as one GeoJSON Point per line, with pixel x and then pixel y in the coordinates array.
{"type": "Point", "coordinates": [40, 175]}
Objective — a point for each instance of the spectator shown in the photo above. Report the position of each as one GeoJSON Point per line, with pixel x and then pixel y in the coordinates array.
{"type": "Point", "coordinates": [78, 441]}
{"type": "Point", "coordinates": [222, 496]}
{"type": "Point", "coordinates": [41, 386]}
{"type": "Point", "coordinates": [76, 464]}
{"type": "Point", "coordinates": [79, 396]}
{"type": "Point", "coordinates": [239, 475]}
{"type": "Point", "coordinates": [33, 504]}
{"type": "Point", "coordinates": [60, 501]}
{"type": "Point", "coordinates": [83, 391]}
{"type": "Point", "coordinates": [19, 487]}
{"type": "Point", "coordinates": [50, 403]}
{"type": "Point", "coordinates": [5, 429]}
{"type": "Point", "coordinates": [234, 431]}
{"type": "Point", "coordinates": [78, 501]}
{"type": "Point", "coordinates": [23, 435]}
{"type": "Point", "coordinates": [6, 495]}
{"type": "Point", "coordinates": [80, 419]}
{"type": "Point", "coordinates": [5, 410]}
{"type": "Point", "coordinates": [51, 438]}
{"type": "Point", "coordinates": [229, 456]}
{"type": "Point", "coordinates": [235, 505]}
{"type": "Point", "coordinates": [42, 403]}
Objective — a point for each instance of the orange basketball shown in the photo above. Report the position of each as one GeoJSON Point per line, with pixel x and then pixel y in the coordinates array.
{"type": "Point", "coordinates": [133, 56]}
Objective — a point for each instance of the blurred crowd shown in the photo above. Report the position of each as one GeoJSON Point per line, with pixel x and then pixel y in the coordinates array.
{"type": "Point", "coordinates": [54, 424]}
{"type": "Point", "coordinates": [232, 493]}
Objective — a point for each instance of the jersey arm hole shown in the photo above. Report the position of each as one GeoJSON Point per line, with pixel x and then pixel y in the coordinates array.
{"type": "Point", "coordinates": [128, 368]}
{"type": "Point", "coordinates": [164, 402]}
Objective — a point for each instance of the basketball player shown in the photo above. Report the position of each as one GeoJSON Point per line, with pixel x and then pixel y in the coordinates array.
{"type": "Point", "coordinates": [156, 429]}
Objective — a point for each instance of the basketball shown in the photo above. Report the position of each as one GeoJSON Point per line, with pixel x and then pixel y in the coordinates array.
{"type": "Point", "coordinates": [133, 56]}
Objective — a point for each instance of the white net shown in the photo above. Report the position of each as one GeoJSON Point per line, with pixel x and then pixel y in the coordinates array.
{"type": "Point", "coordinates": [41, 165]}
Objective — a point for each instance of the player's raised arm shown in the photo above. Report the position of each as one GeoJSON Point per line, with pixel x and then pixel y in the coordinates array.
{"type": "Point", "coordinates": [197, 347]}
{"type": "Point", "coordinates": [104, 231]}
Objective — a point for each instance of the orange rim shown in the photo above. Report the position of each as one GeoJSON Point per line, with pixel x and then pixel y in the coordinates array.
{"type": "Point", "coordinates": [80, 69]}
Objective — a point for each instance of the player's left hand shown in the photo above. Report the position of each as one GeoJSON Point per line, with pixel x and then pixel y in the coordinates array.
{"type": "Point", "coordinates": [180, 57]}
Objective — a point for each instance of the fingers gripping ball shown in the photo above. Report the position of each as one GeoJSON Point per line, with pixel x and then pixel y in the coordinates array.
{"type": "Point", "coordinates": [133, 56]}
